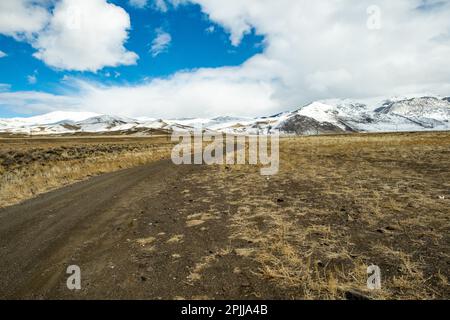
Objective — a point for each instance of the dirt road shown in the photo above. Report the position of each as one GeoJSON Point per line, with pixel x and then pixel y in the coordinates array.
{"type": "Point", "coordinates": [108, 226]}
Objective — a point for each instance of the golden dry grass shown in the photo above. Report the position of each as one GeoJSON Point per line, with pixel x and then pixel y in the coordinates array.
{"type": "Point", "coordinates": [176, 239]}
{"type": "Point", "coordinates": [32, 167]}
{"type": "Point", "coordinates": [204, 263]}
{"type": "Point", "coordinates": [338, 205]}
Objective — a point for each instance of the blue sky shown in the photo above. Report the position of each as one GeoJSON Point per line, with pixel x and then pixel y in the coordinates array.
{"type": "Point", "coordinates": [196, 42]}
{"type": "Point", "coordinates": [207, 58]}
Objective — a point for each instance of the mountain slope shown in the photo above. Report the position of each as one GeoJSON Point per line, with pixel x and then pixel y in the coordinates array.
{"type": "Point", "coordinates": [328, 116]}
{"type": "Point", "coordinates": [302, 125]}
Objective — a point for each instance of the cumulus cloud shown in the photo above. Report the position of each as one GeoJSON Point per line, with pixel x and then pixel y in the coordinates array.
{"type": "Point", "coordinates": [22, 18]}
{"type": "Point", "coordinates": [85, 35]}
{"type": "Point", "coordinates": [161, 43]}
{"type": "Point", "coordinates": [313, 50]}
{"type": "Point", "coordinates": [327, 49]}
{"type": "Point", "coordinates": [82, 35]}
{"type": "Point", "coordinates": [2, 54]}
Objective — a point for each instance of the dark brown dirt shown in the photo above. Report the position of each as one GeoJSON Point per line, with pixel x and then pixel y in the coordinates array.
{"type": "Point", "coordinates": [96, 224]}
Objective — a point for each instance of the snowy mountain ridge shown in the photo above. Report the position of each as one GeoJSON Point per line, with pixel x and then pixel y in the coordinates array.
{"type": "Point", "coordinates": [327, 116]}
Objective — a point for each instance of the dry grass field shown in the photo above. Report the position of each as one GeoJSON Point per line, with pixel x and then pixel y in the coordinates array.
{"type": "Point", "coordinates": [338, 205]}
{"type": "Point", "coordinates": [29, 167]}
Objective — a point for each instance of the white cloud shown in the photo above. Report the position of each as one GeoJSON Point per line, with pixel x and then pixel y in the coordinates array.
{"type": "Point", "coordinates": [2, 54]}
{"type": "Point", "coordinates": [203, 93]}
{"type": "Point", "coordinates": [161, 5]}
{"type": "Point", "coordinates": [324, 49]}
{"type": "Point", "coordinates": [161, 43]}
{"type": "Point", "coordinates": [85, 35]}
{"type": "Point", "coordinates": [210, 29]}
{"type": "Point", "coordinates": [312, 50]}
{"type": "Point", "coordinates": [37, 102]}
{"type": "Point", "coordinates": [32, 79]}
{"type": "Point", "coordinates": [81, 35]}
{"type": "Point", "coordinates": [22, 18]}
{"type": "Point", "coordinates": [138, 3]}
{"type": "Point", "coordinates": [4, 87]}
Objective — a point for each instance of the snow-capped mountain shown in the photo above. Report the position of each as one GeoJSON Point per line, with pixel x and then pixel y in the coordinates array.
{"type": "Point", "coordinates": [327, 116]}
{"type": "Point", "coordinates": [50, 118]}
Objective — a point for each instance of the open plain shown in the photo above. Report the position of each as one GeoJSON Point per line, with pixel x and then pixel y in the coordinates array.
{"type": "Point", "coordinates": [141, 227]}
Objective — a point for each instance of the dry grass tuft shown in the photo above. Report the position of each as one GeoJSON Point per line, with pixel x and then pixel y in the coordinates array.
{"type": "Point", "coordinates": [196, 272]}
{"type": "Point", "coordinates": [176, 239]}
